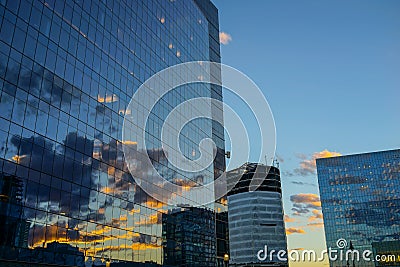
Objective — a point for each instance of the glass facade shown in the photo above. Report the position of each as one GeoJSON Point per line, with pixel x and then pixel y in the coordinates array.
{"type": "Point", "coordinates": [361, 200]}
{"type": "Point", "coordinates": [255, 215]}
{"type": "Point", "coordinates": [190, 233]}
{"type": "Point", "coordinates": [68, 70]}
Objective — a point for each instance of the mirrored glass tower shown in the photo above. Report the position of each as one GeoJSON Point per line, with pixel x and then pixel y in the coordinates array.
{"type": "Point", "coordinates": [68, 70]}
{"type": "Point", "coordinates": [360, 197]}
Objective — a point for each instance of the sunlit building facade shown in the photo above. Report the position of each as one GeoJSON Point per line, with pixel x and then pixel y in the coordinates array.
{"type": "Point", "coordinates": [68, 70]}
{"type": "Point", "coordinates": [360, 197]}
{"type": "Point", "coordinates": [255, 215]}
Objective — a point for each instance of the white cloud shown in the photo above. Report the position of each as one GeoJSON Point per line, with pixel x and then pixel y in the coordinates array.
{"type": "Point", "coordinates": [225, 38]}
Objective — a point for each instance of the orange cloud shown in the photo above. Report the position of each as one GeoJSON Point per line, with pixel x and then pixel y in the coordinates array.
{"type": "Point", "coordinates": [306, 200]}
{"type": "Point", "coordinates": [318, 224]}
{"type": "Point", "coordinates": [144, 246]}
{"type": "Point", "coordinates": [308, 165]}
{"type": "Point", "coordinates": [108, 190]}
{"type": "Point", "coordinates": [299, 249]}
{"type": "Point", "coordinates": [225, 38]}
{"type": "Point", "coordinates": [107, 99]}
{"type": "Point", "coordinates": [132, 211]}
{"type": "Point", "coordinates": [303, 203]}
{"type": "Point", "coordinates": [92, 243]}
{"type": "Point", "coordinates": [155, 204]}
{"type": "Point", "coordinates": [187, 184]}
{"type": "Point", "coordinates": [288, 219]}
{"type": "Point", "coordinates": [317, 215]}
{"type": "Point", "coordinates": [154, 218]}
{"type": "Point", "coordinates": [293, 230]}
{"type": "Point", "coordinates": [97, 251]}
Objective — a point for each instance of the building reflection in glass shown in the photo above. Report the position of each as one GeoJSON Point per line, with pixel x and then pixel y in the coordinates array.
{"type": "Point", "coordinates": [67, 72]}
{"type": "Point", "coordinates": [360, 200]}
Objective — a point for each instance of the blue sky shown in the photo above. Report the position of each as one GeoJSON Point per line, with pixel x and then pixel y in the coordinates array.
{"type": "Point", "coordinates": [330, 71]}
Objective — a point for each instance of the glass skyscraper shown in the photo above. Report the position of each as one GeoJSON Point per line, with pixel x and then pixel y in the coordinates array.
{"type": "Point", "coordinates": [68, 70]}
{"type": "Point", "coordinates": [360, 197]}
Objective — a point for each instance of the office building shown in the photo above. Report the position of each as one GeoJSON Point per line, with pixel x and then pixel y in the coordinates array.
{"type": "Point", "coordinates": [68, 70]}
{"type": "Point", "coordinates": [255, 215]}
{"type": "Point", "coordinates": [360, 199]}
{"type": "Point", "coordinates": [14, 229]}
{"type": "Point", "coordinates": [189, 235]}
